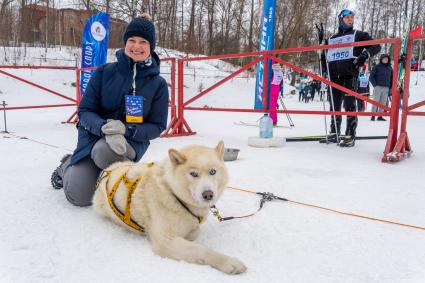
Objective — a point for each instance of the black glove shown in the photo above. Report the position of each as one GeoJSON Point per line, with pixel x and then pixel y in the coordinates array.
{"type": "Point", "coordinates": [320, 32]}
{"type": "Point", "coordinates": [359, 61]}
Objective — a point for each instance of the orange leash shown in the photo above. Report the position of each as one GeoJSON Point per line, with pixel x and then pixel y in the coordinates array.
{"type": "Point", "coordinates": [337, 211]}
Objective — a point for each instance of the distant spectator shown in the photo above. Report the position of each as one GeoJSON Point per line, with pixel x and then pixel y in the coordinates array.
{"type": "Point", "coordinates": [301, 91]}
{"type": "Point", "coordinates": [323, 91]}
{"type": "Point", "coordinates": [381, 78]}
{"type": "Point", "coordinates": [275, 88]}
{"type": "Point", "coordinates": [307, 92]}
{"type": "Point", "coordinates": [363, 88]}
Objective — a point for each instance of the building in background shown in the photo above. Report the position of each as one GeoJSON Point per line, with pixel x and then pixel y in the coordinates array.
{"type": "Point", "coordinates": [41, 24]}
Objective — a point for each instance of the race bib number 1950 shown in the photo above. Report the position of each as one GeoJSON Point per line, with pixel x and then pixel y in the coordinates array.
{"type": "Point", "coordinates": [337, 54]}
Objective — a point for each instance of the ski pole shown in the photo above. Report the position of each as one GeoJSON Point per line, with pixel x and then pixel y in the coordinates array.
{"type": "Point", "coordinates": [291, 123]}
{"type": "Point", "coordinates": [332, 101]}
{"type": "Point", "coordinates": [321, 74]}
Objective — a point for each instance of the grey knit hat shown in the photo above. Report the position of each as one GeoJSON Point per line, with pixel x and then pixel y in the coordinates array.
{"type": "Point", "coordinates": [141, 26]}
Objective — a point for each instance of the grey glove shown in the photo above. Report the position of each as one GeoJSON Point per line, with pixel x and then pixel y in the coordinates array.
{"type": "Point", "coordinates": [117, 143]}
{"type": "Point", "coordinates": [113, 127]}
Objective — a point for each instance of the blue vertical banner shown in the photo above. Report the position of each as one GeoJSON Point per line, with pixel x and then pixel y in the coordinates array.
{"type": "Point", "coordinates": [94, 46]}
{"type": "Point", "coordinates": [266, 43]}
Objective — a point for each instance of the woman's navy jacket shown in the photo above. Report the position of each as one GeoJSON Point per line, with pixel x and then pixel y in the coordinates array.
{"type": "Point", "coordinates": [104, 99]}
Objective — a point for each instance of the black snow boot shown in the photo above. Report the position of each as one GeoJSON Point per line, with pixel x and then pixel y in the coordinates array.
{"type": "Point", "coordinates": [332, 138]}
{"type": "Point", "coordinates": [348, 141]}
{"type": "Point", "coordinates": [56, 178]}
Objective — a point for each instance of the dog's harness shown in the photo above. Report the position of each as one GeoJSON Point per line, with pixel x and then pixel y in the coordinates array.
{"type": "Point", "coordinates": [131, 186]}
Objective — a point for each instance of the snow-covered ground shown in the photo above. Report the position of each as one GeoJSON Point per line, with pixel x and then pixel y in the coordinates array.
{"type": "Point", "coordinates": [46, 239]}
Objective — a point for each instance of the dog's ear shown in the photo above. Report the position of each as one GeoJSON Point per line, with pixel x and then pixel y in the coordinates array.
{"type": "Point", "coordinates": [220, 149]}
{"type": "Point", "coordinates": [176, 157]}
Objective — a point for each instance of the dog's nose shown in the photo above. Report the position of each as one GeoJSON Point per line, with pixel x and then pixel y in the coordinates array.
{"type": "Point", "coordinates": [207, 195]}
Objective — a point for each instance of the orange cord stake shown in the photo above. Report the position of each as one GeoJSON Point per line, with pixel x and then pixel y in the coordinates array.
{"type": "Point", "coordinates": [328, 209]}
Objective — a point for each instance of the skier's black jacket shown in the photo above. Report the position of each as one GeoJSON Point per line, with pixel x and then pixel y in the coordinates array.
{"type": "Point", "coordinates": [347, 67]}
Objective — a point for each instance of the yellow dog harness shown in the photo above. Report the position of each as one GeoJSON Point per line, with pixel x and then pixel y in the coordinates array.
{"type": "Point", "coordinates": [131, 186]}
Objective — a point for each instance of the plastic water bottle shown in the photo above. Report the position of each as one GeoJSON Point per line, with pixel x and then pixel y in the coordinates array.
{"type": "Point", "coordinates": [266, 127]}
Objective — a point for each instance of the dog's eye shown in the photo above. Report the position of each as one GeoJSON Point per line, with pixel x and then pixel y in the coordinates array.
{"type": "Point", "coordinates": [194, 174]}
{"type": "Point", "coordinates": [212, 172]}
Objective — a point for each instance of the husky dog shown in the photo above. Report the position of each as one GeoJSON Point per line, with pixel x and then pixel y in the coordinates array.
{"type": "Point", "coordinates": [167, 201]}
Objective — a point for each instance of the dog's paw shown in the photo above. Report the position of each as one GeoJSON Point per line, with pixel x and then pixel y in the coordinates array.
{"type": "Point", "coordinates": [232, 265]}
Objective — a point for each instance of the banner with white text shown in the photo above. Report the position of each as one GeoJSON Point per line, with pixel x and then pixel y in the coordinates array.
{"type": "Point", "coordinates": [94, 46]}
{"type": "Point", "coordinates": [266, 43]}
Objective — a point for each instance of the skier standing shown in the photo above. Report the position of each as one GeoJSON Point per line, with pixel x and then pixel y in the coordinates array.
{"type": "Point", "coordinates": [343, 70]}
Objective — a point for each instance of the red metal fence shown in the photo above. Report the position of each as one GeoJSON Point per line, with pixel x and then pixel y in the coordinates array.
{"type": "Point", "coordinates": [74, 118]}
{"type": "Point", "coordinates": [397, 146]}
{"type": "Point", "coordinates": [402, 147]}
{"type": "Point", "coordinates": [393, 150]}
{"type": "Point", "coordinates": [74, 101]}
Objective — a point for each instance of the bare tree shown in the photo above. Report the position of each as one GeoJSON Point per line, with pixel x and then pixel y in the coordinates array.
{"type": "Point", "coordinates": [224, 26]}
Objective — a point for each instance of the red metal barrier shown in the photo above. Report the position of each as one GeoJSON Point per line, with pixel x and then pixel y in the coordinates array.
{"type": "Point", "coordinates": [172, 100]}
{"type": "Point", "coordinates": [74, 118]}
{"type": "Point", "coordinates": [397, 147]}
{"type": "Point", "coordinates": [403, 149]}
{"type": "Point", "coordinates": [32, 83]}
{"type": "Point", "coordinates": [181, 127]}
{"type": "Point", "coordinates": [75, 101]}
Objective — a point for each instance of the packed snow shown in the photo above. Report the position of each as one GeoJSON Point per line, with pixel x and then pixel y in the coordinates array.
{"type": "Point", "coordinates": [46, 239]}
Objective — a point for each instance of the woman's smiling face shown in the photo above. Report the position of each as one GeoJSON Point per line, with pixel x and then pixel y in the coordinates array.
{"type": "Point", "coordinates": [137, 48]}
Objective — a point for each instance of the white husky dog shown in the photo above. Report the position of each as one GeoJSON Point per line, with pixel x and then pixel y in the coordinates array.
{"type": "Point", "coordinates": [168, 201]}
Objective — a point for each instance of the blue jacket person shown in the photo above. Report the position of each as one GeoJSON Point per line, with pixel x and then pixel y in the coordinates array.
{"type": "Point", "coordinates": [124, 107]}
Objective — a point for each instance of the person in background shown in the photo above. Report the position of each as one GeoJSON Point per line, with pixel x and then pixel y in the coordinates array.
{"type": "Point", "coordinates": [307, 92]}
{"type": "Point", "coordinates": [301, 91]}
{"type": "Point", "coordinates": [323, 91]}
{"type": "Point", "coordinates": [124, 107]}
{"type": "Point", "coordinates": [311, 90]}
{"type": "Point", "coordinates": [381, 78]}
{"type": "Point", "coordinates": [363, 89]}
{"type": "Point", "coordinates": [343, 70]}
{"type": "Point", "coordinates": [275, 88]}
{"type": "Point", "coordinates": [318, 86]}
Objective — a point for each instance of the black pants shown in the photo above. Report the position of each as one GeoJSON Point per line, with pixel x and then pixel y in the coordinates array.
{"type": "Point", "coordinates": [361, 103]}
{"type": "Point", "coordinates": [301, 95]}
{"type": "Point", "coordinates": [349, 103]}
